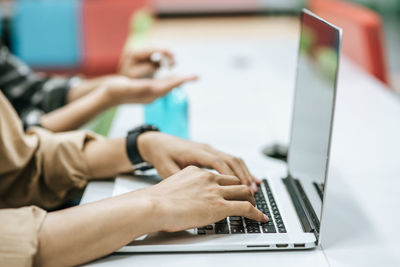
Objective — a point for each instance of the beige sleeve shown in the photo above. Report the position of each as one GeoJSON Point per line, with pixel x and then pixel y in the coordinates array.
{"type": "Point", "coordinates": [39, 167]}
{"type": "Point", "coordinates": [19, 229]}
{"type": "Point", "coordinates": [57, 168]}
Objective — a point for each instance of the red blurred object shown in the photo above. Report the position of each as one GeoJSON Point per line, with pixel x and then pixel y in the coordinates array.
{"type": "Point", "coordinates": [105, 27]}
{"type": "Point", "coordinates": [362, 33]}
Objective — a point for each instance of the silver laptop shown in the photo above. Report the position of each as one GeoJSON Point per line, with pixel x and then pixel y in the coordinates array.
{"type": "Point", "coordinates": [293, 203]}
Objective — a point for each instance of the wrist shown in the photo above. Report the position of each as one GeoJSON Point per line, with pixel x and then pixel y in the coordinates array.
{"type": "Point", "coordinates": [152, 211]}
{"type": "Point", "coordinates": [144, 142]}
{"type": "Point", "coordinates": [106, 97]}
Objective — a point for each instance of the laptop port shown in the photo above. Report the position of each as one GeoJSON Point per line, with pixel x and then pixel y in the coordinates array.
{"type": "Point", "coordinates": [282, 245]}
{"type": "Point", "coordinates": [300, 245]}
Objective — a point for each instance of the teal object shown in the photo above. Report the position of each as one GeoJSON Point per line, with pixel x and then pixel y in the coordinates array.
{"type": "Point", "coordinates": [45, 33]}
{"type": "Point", "coordinates": [170, 113]}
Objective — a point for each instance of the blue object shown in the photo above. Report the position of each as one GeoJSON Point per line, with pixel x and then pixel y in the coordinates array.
{"type": "Point", "coordinates": [45, 33]}
{"type": "Point", "coordinates": [170, 113]}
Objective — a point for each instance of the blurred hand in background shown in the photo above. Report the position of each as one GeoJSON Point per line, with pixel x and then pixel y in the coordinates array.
{"type": "Point", "coordinates": [139, 63]}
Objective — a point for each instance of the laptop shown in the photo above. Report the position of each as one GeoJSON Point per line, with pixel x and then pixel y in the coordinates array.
{"type": "Point", "coordinates": [294, 203]}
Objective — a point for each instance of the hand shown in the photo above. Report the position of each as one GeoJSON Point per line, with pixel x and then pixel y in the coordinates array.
{"type": "Point", "coordinates": [138, 64]}
{"type": "Point", "coordinates": [169, 154]}
{"type": "Point", "coordinates": [121, 90]}
{"type": "Point", "coordinates": [194, 197]}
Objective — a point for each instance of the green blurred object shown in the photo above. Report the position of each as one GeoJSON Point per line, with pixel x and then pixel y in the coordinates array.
{"type": "Point", "coordinates": [386, 7]}
{"type": "Point", "coordinates": [140, 26]}
{"type": "Point", "coordinates": [327, 61]}
{"type": "Point", "coordinates": [102, 123]}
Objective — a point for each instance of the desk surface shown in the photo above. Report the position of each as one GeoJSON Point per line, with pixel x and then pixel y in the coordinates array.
{"type": "Point", "coordinates": [360, 227]}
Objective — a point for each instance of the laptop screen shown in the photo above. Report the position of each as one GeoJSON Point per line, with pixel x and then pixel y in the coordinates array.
{"type": "Point", "coordinates": [313, 105]}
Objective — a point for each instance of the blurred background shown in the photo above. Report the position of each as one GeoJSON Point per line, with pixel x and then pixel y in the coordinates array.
{"type": "Point", "coordinates": [87, 36]}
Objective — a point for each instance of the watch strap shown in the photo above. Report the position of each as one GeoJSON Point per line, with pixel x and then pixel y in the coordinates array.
{"type": "Point", "coordinates": [131, 143]}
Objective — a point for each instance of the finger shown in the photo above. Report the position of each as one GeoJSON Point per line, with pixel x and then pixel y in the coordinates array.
{"type": "Point", "coordinates": [142, 69]}
{"type": "Point", "coordinates": [163, 86]}
{"type": "Point", "coordinates": [240, 170]}
{"type": "Point", "coordinates": [145, 54]}
{"type": "Point", "coordinates": [176, 80]}
{"type": "Point", "coordinates": [258, 181]}
{"type": "Point", "coordinates": [238, 192]}
{"type": "Point", "coordinates": [254, 181]}
{"type": "Point", "coordinates": [207, 160]}
{"type": "Point", "coordinates": [166, 168]}
{"type": "Point", "coordinates": [217, 164]}
{"type": "Point", "coordinates": [246, 169]}
{"type": "Point", "coordinates": [234, 164]}
{"type": "Point", "coordinates": [246, 209]}
{"type": "Point", "coordinates": [227, 180]}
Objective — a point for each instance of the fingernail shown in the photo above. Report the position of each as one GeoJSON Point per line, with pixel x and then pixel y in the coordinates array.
{"type": "Point", "coordinates": [266, 218]}
{"type": "Point", "coordinates": [254, 187]}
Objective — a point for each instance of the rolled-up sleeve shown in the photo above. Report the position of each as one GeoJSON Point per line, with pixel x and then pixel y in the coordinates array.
{"type": "Point", "coordinates": [19, 230]}
{"type": "Point", "coordinates": [39, 167]}
{"type": "Point", "coordinates": [56, 169]}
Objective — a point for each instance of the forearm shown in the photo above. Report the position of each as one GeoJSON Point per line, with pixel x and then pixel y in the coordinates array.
{"type": "Point", "coordinates": [80, 234]}
{"type": "Point", "coordinates": [77, 113]}
{"type": "Point", "coordinates": [107, 157]}
{"type": "Point", "coordinates": [85, 87]}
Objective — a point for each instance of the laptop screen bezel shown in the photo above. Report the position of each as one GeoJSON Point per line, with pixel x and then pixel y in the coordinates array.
{"type": "Point", "coordinates": [340, 33]}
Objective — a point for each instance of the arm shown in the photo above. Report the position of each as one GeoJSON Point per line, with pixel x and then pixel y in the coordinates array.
{"type": "Point", "coordinates": [168, 154]}
{"type": "Point", "coordinates": [107, 225]}
{"type": "Point", "coordinates": [111, 91]}
{"type": "Point", "coordinates": [30, 93]}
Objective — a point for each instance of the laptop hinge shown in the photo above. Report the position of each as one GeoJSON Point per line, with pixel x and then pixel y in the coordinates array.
{"type": "Point", "coordinates": [305, 211]}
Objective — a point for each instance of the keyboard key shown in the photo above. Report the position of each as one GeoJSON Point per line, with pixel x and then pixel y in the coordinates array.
{"type": "Point", "coordinates": [250, 221]}
{"type": "Point", "coordinates": [201, 232]}
{"type": "Point", "coordinates": [222, 221]}
{"type": "Point", "coordinates": [237, 229]}
{"type": "Point", "coordinates": [253, 229]}
{"type": "Point", "coordinates": [221, 228]}
{"type": "Point", "coordinates": [268, 228]}
{"type": "Point", "coordinates": [235, 218]}
{"type": "Point", "coordinates": [209, 227]}
{"type": "Point", "coordinates": [236, 223]}
{"type": "Point", "coordinates": [282, 230]}
{"type": "Point", "coordinates": [269, 223]}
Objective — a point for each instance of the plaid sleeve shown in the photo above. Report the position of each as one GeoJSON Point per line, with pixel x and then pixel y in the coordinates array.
{"type": "Point", "coordinates": [30, 93]}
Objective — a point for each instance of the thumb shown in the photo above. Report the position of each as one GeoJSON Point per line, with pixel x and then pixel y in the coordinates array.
{"type": "Point", "coordinates": [167, 168]}
{"type": "Point", "coordinates": [163, 86]}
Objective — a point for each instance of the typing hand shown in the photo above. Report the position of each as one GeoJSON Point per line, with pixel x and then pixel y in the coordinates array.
{"type": "Point", "coordinates": [169, 154]}
{"type": "Point", "coordinates": [194, 197]}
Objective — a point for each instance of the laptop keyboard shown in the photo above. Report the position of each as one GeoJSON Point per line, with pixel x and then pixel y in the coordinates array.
{"type": "Point", "coordinates": [241, 225]}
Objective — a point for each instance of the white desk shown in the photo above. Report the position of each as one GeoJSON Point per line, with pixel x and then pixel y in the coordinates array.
{"type": "Point", "coordinates": [361, 227]}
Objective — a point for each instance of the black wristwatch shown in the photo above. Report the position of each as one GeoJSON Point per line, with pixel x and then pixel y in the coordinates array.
{"type": "Point", "coordinates": [131, 144]}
